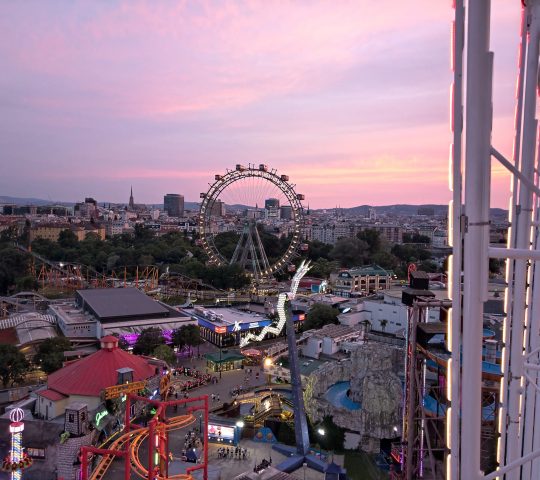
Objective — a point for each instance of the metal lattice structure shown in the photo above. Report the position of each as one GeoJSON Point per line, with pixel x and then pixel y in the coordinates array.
{"type": "Point", "coordinates": [249, 251]}
{"type": "Point", "coordinates": [423, 446]}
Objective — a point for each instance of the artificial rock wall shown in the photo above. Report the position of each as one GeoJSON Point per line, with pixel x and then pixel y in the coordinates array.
{"type": "Point", "coordinates": [371, 369]}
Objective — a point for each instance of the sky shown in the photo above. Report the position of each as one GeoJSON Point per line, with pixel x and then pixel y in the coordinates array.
{"type": "Point", "coordinates": [348, 98]}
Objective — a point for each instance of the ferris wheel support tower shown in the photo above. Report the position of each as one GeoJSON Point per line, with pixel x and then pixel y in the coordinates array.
{"type": "Point", "coordinates": [518, 451]}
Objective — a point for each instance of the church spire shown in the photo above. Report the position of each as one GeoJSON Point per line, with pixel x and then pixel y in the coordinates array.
{"type": "Point", "coordinates": [131, 202]}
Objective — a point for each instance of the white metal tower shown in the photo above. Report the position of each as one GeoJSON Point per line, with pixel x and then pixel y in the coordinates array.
{"type": "Point", "coordinates": [519, 417]}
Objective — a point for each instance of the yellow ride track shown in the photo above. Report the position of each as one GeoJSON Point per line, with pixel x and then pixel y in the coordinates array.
{"type": "Point", "coordinates": [138, 435]}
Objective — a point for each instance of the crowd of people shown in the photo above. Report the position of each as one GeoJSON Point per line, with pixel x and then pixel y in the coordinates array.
{"type": "Point", "coordinates": [192, 442]}
{"type": "Point", "coordinates": [248, 378]}
{"type": "Point", "coordinates": [200, 379]}
{"type": "Point", "coordinates": [237, 453]}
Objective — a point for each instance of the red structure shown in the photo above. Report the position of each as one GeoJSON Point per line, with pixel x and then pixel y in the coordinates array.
{"type": "Point", "coordinates": [411, 268]}
{"type": "Point", "coordinates": [157, 438]}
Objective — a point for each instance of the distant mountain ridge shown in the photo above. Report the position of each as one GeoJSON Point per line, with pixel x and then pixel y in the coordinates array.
{"type": "Point", "coordinates": [404, 209]}
{"type": "Point", "coordinates": [398, 209]}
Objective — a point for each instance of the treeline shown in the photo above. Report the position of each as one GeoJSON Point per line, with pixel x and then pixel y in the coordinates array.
{"type": "Point", "coordinates": [179, 253]}
{"type": "Point", "coordinates": [173, 251]}
{"type": "Point", "coordinates": [368, 247]}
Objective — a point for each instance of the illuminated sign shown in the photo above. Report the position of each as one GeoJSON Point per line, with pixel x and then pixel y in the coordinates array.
{"type": "Point", "coordinates": [237, 326]}
{"type": "Point", "coordinates": [118, 390]}
{"type": "Point", "coordinates": [100, 416]}
{"type": "Point", "coordinates": [220, 431]}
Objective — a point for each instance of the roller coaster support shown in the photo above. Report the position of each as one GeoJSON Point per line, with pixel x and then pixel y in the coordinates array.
{"type": "Point", "coordinates": [86, 449]}
{"type": "Point", "coordinates": [153, 429]}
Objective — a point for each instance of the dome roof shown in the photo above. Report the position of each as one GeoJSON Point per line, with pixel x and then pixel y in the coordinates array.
{"type": "Point", "coordinates": [89, 376]}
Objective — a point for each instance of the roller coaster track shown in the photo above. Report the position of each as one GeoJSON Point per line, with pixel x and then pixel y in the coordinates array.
{"type": "Point", "coordinates": [138, 436]}
{"type": "Point", "coordinates": [51, 264]}
{"type": "Point", "coordinates": [143, 472]}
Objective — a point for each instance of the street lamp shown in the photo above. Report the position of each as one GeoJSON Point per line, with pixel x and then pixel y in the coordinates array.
{"type": "Point", "coordinates": [321, 433]}
{"type": "Point", "coordinates": [220, 364]}
{"type": "Point", "coordinates": [267, 364]}
{"type": "Point", "coordinates": [240, 424]}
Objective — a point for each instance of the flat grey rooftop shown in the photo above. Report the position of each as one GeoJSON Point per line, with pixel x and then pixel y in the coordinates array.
{"type": "Point", "coordinates": [113, 303]}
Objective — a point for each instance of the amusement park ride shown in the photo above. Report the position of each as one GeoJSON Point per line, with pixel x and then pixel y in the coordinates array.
{"type": "Point", "coordinates": [156, 435]}
{"type": "Point", "coordinates": [250, 186]}
{"type": "Point", "coordinates": [512, 384]}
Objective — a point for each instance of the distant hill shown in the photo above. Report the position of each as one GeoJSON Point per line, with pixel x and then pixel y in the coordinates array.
{"type": "Point", "coordinates": [407, 209]}
{"type": "Point", "coordinates": [31, 201]}
{"type": "Point", "coordinates": [398, 209]}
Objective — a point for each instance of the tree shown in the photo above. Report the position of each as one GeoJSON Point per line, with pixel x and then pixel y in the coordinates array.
{"type": "Point", "coordinates": [67, 239]}
{"type": "Point", "coordinates": [148, 341]}
{"type": "Point", "coordinates": [322, 268]}
{"type": "Point", "coordinates": [385, 260]}
{"type": "Point", "coordinates": [372, 238]}
{"type": "Point", "coordinates": [320, 315]}
{"type": "Point", "coordinates": [187, 335]}
{"type": "Point", "coordinates": [165, 353]}
{"type": "Point", "coordinates": [179, 338]}
{"type": "Point", "coordinates": [28, 283]}
{"type": "Point", "coordinates": [317, 250]}
{"type": "Point", "coordinates": [194, 336]}
{"type": "Point", "coordinates": [50, 354]}
{"type": "Point", "coordinates": [13, 365]}
{"type": "Point", "coordinates": [350, 252]}
{"type": "Point", "coordinates": [13, 265]}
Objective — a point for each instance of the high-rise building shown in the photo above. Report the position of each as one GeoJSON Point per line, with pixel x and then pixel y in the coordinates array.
{"type": "Point", "coordinates": [218, 209]}
{"type": "Point", "coordinates": [272, 207]}
{"type": "Point", "coordinates": [286, 212]}
{"type": "Point", "coordinates": [271, 203]}
{"type": "Point", "coordinates": [173, 204]}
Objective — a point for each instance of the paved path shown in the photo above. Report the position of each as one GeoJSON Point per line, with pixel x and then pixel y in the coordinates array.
{"type": "Point", "coordinates": [219, 468]}
{"type": "Point", "coordinates": [229, 380]}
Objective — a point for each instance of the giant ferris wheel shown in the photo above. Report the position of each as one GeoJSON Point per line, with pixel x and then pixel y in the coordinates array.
{"type": "Point", "coordinates": [244, 203]}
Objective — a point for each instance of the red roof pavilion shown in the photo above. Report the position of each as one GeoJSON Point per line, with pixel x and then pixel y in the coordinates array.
{"type": "Point", "coordinates": [89, 376]}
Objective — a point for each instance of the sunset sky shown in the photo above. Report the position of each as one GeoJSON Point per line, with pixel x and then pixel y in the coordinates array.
{"type": "Point", "coordinates": [349, 98]}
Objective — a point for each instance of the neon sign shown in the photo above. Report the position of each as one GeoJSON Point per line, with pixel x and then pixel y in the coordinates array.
{"type": "Point", "coordinates": [100, 416]}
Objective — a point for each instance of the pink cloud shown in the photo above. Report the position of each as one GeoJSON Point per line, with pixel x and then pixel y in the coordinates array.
{"type": "Point", "coordinates": [352, 94]}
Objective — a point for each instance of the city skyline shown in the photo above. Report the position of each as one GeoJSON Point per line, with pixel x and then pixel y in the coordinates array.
{"type": "Point", "coordinates": [351, 101]}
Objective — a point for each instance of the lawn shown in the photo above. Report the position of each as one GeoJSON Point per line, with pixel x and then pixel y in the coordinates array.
{"type": "Point", "coordinates": [360, 466]}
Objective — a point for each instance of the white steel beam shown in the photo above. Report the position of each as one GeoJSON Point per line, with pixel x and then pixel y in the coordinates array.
{"type": "Point", "coordinates": [522, 226]}
{"type": "Point", "coordinates": [530, 184]}
{"type": "Point", "coordinates": [511, 241]}
{"type": "Point", "coordinates": [514, 253]}
{"type": "Point", "coordinates": [476, 237]}
{"type": "Point", "coordinates": [455, 237]}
